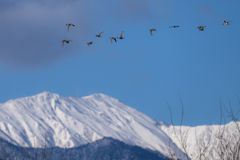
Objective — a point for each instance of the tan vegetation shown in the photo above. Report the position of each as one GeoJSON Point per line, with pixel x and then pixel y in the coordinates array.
{"type": "Point", "coordinates": [216, 142]}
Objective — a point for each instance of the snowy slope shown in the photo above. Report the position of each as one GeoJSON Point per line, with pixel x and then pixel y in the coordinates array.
{"type": "Point", "coordinates": [207, 141]}
{"type": "Point", "coordinates": [71, 122]}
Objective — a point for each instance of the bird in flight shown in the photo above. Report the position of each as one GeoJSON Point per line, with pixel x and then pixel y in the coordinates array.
{"type": "Point", "coordinates": [66, 41]}
{"type": "Point", "coordinates": [152, 30]}
{"type": "Point", "coordinates": [89, 43]}
{"type": "Point", "coordinates": [121, 37]}
{"type": "Point", "coordinates": [201, 28]}
{"type": "Point", "coordinates": [70, 25]}
{"type": "Point", "coordinates": [174, 26]}
{"type": "Point", "coordinates": [113, 38]}
{"type": "Point", "coordinates": [226, 22]}
{"type": "Point", "coordinates": [99, 35]}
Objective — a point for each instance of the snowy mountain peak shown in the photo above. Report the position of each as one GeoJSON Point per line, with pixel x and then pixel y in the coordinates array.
{"type": "Point", "coordinates": [43, 96]}
{"type": "Point", "coordinates": [47, 95]}
{"type": "Point", "coordinates": [100, 97]}
{"type": "Point", "coordinates": [97, 95]}
{"type": "Point", "coordinates": [71, 122]}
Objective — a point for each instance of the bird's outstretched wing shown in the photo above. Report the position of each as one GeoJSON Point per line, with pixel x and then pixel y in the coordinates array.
{"type": "Point", "coordinates": [63, 42]}
{"type": "Point", "coordinates": [100, 33]}
{"type": "Point", "coordinates": [121, 34]}
{"type": "Point", "coordinates": [68, 27]}
{"type": "Point", "coordinates": [152, 30]}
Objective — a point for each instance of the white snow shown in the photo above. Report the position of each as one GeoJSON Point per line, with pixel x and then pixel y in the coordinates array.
{"type": "Point", "coordinates": [71, 122]}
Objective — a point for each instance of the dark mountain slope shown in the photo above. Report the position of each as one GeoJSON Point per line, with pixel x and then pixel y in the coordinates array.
{"type": "Point", "coordinates": [104, 149]}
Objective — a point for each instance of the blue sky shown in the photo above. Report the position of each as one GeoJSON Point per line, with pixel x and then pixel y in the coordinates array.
{"type": "Point", "coordinates": [142, 71]}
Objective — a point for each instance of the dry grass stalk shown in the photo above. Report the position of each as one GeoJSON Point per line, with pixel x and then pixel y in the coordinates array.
{"type": "Point", "coordinates": [221, 144]}
{"type": "Point", "coordinates": [182, 139]}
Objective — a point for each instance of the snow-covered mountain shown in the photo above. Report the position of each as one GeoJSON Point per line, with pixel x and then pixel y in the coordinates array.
{"type": "Point", "coordinates": [212, 142]}
{"type": "Point", "coordinates": [71, 122]}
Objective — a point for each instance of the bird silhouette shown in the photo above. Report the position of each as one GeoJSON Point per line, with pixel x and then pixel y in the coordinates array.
{"type": "Point", "coordinates": [226, 22]}
{"type": "Point", "coordinates": [121, 37]}
{"type": "Point", "coordinates": [89, 43]}
{"type": "Point", "coordinates": [66, 41]}
{"type": "Point", "coordinates": [152, 30]}
{"type": "Point", "coordinates": [113, 38]}
{"type": "Point", "coordinates": [99, 35]}
{"type": "Point", "coordinates": [201, 28]}
{"type": "Point", "coordinates": [174, 26]}
{"type": "Point", "coordinates": [70, 25]}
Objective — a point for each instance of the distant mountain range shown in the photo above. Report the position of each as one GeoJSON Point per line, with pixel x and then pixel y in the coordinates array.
{"type": "Point", "coordinates": [69, 122]}
{"type": "Point", "coordinates": [104, 149]}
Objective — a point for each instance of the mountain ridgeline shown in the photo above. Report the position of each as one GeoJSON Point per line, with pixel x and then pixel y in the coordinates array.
{"type": "Point", "coordinates": [104, 149]}
{"type": "Point", "coordinates": [69, 122]}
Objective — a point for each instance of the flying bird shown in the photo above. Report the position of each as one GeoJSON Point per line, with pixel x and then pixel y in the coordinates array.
{"type": "Point", "coordinates": [152, 30]}
{"type": "Point", "coordinates": [226, 22]}
{"type": "Point", "coordinates": [66, 41]}
{"type": "Point", "coordinates": [89, 43]}
{"type": "Point", "coordinates": [201, 28]}
{"type": "Point", "coordinates": [113, 38]}
{"type": "Point", "coordinates": [70, 25]}
{"type": "Point", "coordinates": [174, 26]}
{"type": "Point", "coordinates": [121, 37]}
{"type": "Point", "coordinates": [99, 34]}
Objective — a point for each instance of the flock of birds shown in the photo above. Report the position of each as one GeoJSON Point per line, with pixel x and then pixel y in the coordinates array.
{"type": "Point", "coordinates": [201, 28]}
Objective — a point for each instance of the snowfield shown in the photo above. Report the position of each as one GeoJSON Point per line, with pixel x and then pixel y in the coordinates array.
{"type": "Point", "coordinates": [71, 122]}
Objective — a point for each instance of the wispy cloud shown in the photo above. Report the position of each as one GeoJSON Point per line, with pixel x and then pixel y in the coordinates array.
{"type": "Point", "coordinates": [31, 32]}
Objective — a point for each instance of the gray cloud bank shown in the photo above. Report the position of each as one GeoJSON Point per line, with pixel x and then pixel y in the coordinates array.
{"type": "Point", "coordinates": [31, 31]}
